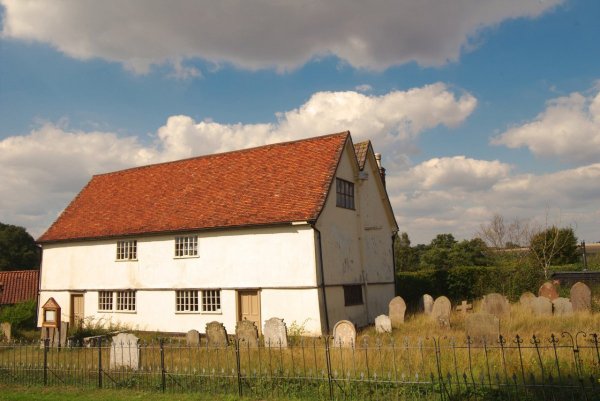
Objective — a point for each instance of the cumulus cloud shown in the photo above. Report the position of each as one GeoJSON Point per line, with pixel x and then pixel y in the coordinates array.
{"type": "Point", "coordinates": [250, 34]}
{"type": "Point", "coordinates": [569, 129]}
{"type": "Point", "coordinates": [42, 171]}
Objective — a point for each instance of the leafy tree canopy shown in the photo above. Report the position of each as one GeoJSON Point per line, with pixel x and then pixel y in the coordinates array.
{"type": "Point", "coordinates": [554, 246]}
{"type": "Point", "coordinates": [18, 250]}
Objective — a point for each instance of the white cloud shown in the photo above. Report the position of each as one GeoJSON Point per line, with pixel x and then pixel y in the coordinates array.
{"type": "Point", "coordinates": [251, 34]}
{"type": "Point", "coordinates": [363, 88]}
{"type": "Point", "coordinates": [569, 129]}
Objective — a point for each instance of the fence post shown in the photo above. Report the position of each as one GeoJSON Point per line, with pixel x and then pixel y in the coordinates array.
{"type": "Point", "coordinates": [237, 362]}
{"type": "Point", "coordinates": [163, 378]}
{"type": "Point", "coordinates": [99, 362]}
{"type": "Point", "coordinates": [328, 360]}
{"type": "Point", "coordinates": [46, 346]}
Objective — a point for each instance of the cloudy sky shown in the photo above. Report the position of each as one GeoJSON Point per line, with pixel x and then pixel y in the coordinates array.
{"type": "Point", "coordinates": [478, 107]}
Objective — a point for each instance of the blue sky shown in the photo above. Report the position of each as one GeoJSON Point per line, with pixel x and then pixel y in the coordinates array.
{"type": "Point", "coordinates": [478, 107]}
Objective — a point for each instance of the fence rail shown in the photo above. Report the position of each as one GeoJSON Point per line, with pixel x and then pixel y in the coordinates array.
{"type": "Point", "coordinates": [565, 366]}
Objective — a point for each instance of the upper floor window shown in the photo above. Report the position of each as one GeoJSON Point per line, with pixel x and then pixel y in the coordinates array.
{"type": "Point", "coordinates": [186, 246]}
{"type": "Point", "coordinates": [127, 250]}
{"type": "Point", "coordinates": [345, 193]}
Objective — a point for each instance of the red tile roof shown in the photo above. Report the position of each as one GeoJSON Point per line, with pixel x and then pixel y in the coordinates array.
{"type": "Point", "coordinates": [18, 286]}
{"type": "Point", "coordinates": [271, 184]}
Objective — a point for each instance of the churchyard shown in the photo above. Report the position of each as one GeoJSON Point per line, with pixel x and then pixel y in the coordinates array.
{"type": "Point", "coordinates": [540, 346]}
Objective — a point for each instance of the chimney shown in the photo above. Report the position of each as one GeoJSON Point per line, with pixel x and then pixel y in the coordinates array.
{"type": "Point", "coordinates": [381, 169]}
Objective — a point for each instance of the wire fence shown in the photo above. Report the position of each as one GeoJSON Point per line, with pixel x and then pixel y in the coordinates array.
{"type": "Point", "coordinates": [558, 367]}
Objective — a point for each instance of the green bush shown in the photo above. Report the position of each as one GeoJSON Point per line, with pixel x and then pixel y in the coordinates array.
{"type": "Point", "coordinates": [21, 316]}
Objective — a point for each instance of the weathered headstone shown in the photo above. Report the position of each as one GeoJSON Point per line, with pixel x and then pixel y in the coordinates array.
{"type": "Point", "coordinates": [426, 304]}
{"type": "Point", "coordinates": [383, 324]}
{"type": "Point", "coordinates": [275, 333]}
{"type": "Point", "coordinates": [247, 333]}
{"type": "Point", "coordinates": [397, 309]}
{"type": "Point", "coordinates": [581, 297]}
{"type": "Point", "coordinates": [344, 334]}
{"type": "Point", "coordinates": [526, 298]}
{"type": "Point", "coordinates": [482, 327]}
{"type": "Point", "coordinates": [5, 331]}
{"type": "Point", "coordinates": [192, 338]}
{"type": "Point", "coordinates": [441, 311]}
{"type": "Point", "coordinates": [562, 307]}
{"type": "Point", "coordinates": [548, 290]}
{"type": "Point", "coordinates": [125, 351]}
{"type": "Point", "coordinates": [495, 304]}
{"type": "Point", "coordinates": [541, 306]}
{"type": "Point", "coordinates": [63, 332]}
{"type": "Point", "coordinates": [216, 335]}
{"type": "Point", "coordinates": [464, 307]}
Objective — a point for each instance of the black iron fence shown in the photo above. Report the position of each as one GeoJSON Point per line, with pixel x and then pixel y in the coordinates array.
{"type": "Point", "coordinates": [558, 367]}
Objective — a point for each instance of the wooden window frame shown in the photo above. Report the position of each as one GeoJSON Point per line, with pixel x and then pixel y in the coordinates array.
{"type": "Point", "coordinates": [344, 193]}
{"type": "Point", "coordinates": [186, 246]}
{"type": "Point", "coordinates": [127, 250]}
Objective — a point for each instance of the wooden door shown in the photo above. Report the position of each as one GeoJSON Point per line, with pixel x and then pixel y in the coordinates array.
{"type": "Point", "coordinates": [249, 307]}
{"type": "Point", "coordinates": [76, 310]}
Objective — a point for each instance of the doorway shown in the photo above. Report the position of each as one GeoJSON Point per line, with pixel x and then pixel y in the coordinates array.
{"type": "Point", "coordinates": [77, 314]}
{"type": "Point", "coordinates": [249, 307]}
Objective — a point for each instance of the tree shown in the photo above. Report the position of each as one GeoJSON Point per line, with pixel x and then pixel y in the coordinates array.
{"type": "Point", "coordinates": [553, 246]}
{"type": "Point", "coordinates": [438, 253]}
{"type": "Point", "coordinates": [498, 234]}
{"type": "Point", "coordinates": [406, 257]}
{"type": "Point", "coordinates": [17, 249]}
{"type": "Point", "coordinates": [470, 253]}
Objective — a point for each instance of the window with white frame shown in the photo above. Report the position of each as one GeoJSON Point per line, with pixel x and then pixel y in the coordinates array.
{"type": "Point", "coordinates": [119, 301]}
{"type": "Point", "coordinates": [211, 301]}
{"type": "Point", "coordinates": [105, 301]}
{"type": "Point", "coordinates": [127, 250]}
{"type": "Point", "coordinates": [186, 301]}
{"type": "Point", "coordinates": [186, 246]}
{"type": "Point", "coordinates": [125, 301]}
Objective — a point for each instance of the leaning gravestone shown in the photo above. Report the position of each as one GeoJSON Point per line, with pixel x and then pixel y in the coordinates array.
{"type": "Point", "coordinates": [426, 304]}
{"type": "Point", "coordinates": [526, 298]}
{"type": "Point", "coordinates": [541, 306]}
{"type": "Point", "coordinates": [125, 352]}
{"type": "Point", "coordinates": [581, 297]}
{"type": "Point", "coordinates": [344, 334]}
{"type": "Point", "coordinates": [216, 335]}
{"type": "Point", "coordinates": [383, 324]}
{"type": "Point", "coordinates": [247, 333]}
{"type": "Point", "coordinates": [275, 333]}
{"type": "Point", "coordinates": [482, 327]}
{"type": "Point", "coordinates": [441, 311]}
{"type": "Point", "coordinates": [562, 307]}
{"type": "Point", "coordinates": [548, 290]}
{"type": "Point", "coordinates": [192, 338]}
{"type": "Point", "coordinates": [5, 331]}
{"type": "Point", "coordinates": [397, 308]}
{"type": "Point", "coordinates": [495, 304]}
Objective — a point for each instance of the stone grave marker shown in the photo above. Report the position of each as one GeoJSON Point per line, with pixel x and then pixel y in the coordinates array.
{"type": "Point", "coordinates": [275, 333]}
{"type": "Point", "coordinates": [63, 331]}
{"type": "Point", "coordinates": [581, 297]}
{"type": "Point", "coordinates": [192, 338]}
{"type": "Point", "coordinates": [344, 334]}
{"type": "Point", "coordinates": [247, 333]}
{"type": "Point", "coordinates": [125, 351]}
{"type": "Point", "coordinates": [548, 290]}
{"type": "Point", "coordinates": [541, 306]}
{"type": "Point", "coordinates": [383, 324]}
{"type": "Point", "coordinates": [441, 311]}
{"type": "Point", "coordinates": [426, 304]}
{"type": "Point", "coordinates": [495, 304]}
{"type": "Point", "coordinates": [482, 327]}
{"type": "Point", "coordinates": [397, 309]}
{"type": "Point", "coordinates": [526, 298]}
{"type": "Point", "coordinates": [5, 331]}
{"type": "Point", "coordinates": [216, 335]}
{"type": "Point", "coordinates": [464, 307]}
{"type": "Point", "coordinates": [562, 307]}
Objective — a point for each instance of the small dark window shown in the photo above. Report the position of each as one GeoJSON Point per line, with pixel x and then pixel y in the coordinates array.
{"type": "Point", "coordinates": [345, 193]}
{"type": "Point", "coordinates": [353, 295]}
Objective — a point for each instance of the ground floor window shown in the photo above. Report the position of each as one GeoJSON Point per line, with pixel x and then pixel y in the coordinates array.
{"type": "Point", "coordinates": [193, 300]}
{"type": "Point", "coordinates": [353, 295]}
{"type": "Point", "coordinates": [120, 301]}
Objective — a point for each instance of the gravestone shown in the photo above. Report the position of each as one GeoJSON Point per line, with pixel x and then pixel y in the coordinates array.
{"type": "Point", "coordinates": [464, 307]}
{"type": "Point", "coordinates": [548, 290]}
{"type": "Point", "coordinates": [562, 307]}
{"type": "Point", "coordinates": [526, 298]}
{"type": "Point", "coordinates": [275, 333]}
{"type": "Point", "coordinates": [125, 351]}
{"type": "Point", "coordinates": [383, 324]}
{"type": "Point", "coordinates": [495, 304]}
{"type": "Point", "coordinates": [426, 304]}
{"type": "Point", "coordinates": [246, 333]}
{"type": "Point", "coordinates": [440, 312]}
{"type": "Point", "coordinates": [192, 338]}
{"type": "Point", "coordinates": [581, 297]}
{"type": "Point", "coordinates": [216, 335]}
{"type": "Point", "coordinates": [344, 334]}
{"type": "Point", "coordinates": [64, 330]}
{"type": "Point", "coordinates": [397, 309]}
{"type": "Point", "coordinates": [482, 327]}
{"type": "Point", "coordinates": [541, 306]}
{"type": "Point", "coordinates": [5, 331]}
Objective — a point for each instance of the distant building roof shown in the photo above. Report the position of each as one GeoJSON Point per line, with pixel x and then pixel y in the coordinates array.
{"type": "Point", "coordinates": [18, 286]}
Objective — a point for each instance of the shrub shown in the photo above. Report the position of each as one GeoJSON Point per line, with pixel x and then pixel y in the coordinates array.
{"type": "Point", "coordinates": [21, 316]}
